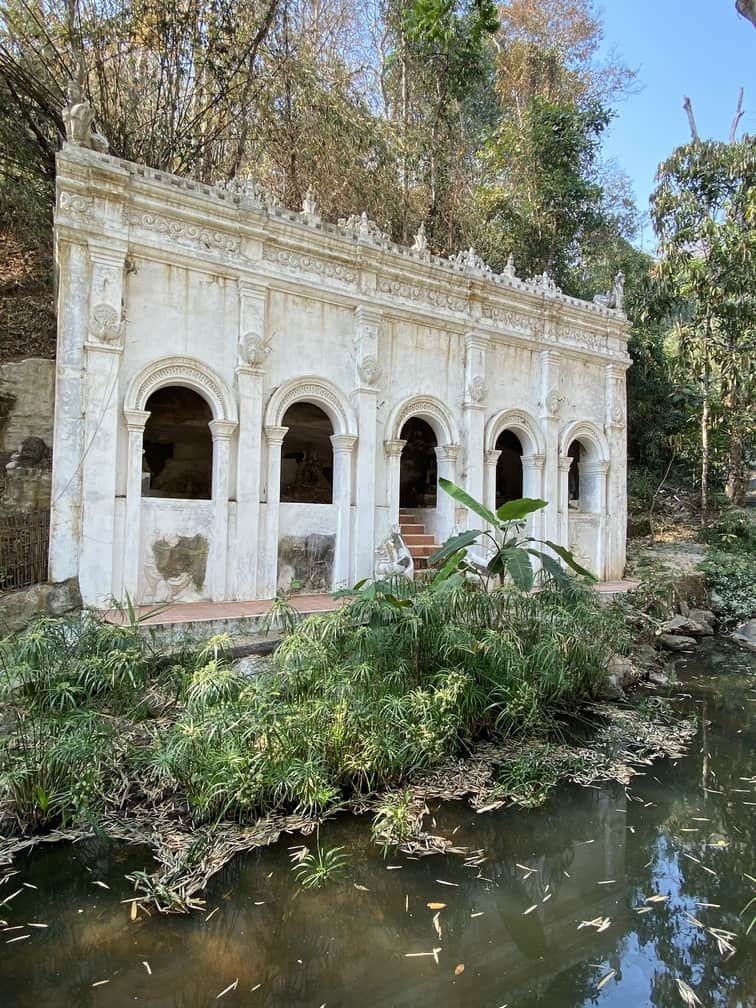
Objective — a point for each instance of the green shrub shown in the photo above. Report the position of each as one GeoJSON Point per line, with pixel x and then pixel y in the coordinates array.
{"type": "Point", "coordinates": [735, 530]}
{"type": "Point", "coordinates": [733, 577]}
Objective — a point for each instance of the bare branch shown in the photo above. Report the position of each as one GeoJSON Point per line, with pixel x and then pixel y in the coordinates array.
{"type": "Point", "coordinates": [738, 117]}
{"type": "Point", "coordinates": [688, 106]}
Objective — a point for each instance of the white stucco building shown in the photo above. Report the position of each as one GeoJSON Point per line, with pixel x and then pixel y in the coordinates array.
{"type": "Point", "coordinates": [248, 396]}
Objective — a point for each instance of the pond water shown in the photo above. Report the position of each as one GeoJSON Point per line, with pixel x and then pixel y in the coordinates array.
{"type": "Point", "coordinates": [682, 831]}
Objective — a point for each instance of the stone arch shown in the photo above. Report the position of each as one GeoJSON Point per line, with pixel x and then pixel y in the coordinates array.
{"type": "Point", "coordinates": [320, 393]}
{"type": "Point", "coordinates": [180, 371]}
{"type": "Point", "coordinates": [522, 424]}
{"type": "Point", "coordinates": [428, 408]}
{"type": "Point", "coordinates": [589, 435]}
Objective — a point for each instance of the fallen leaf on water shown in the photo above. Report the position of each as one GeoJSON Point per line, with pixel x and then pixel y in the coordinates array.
{"type": "Point", "coordinates": [658, 898]}
{"type": "Point", "coordinates": [134, 911]}
{"type": "Point", "coordinates": [441, 882]}
{"type": "Point", "coordinates": [361, 888]}
{"type": "Point", "coordinates": [102, 885]}
{"type": "Point", "coordinates": [436, 906]}
{"type": "Point", "coordinates": [257, 986]}
{"type": "Point", "coordinates": [609, 976]}
{"type": "Point", "coordinates": [231, 986]}
{"type": "Point", "coordinates": [17, 938]}
{"type": "Point", "coordinates": [147, 967]}
{"type": "Point", "coordinates": [99, 983]}
{"type": "Point", "coordinates": [687, 993]}
{"type": "Point", "coordinates": [478, 914]}
{"type": "Point", "coordinates": [459, 968]}
{"type": "Point", "coordinates": [393, 867]}
{"type": "Point", "coordinates": [436, 924]}
{"type": "Point", "coordinates": [610, 881]}
{"type": "Point", "coordinates": [38, 925]}
{"type": "Point", "coordinates": [529, 910]}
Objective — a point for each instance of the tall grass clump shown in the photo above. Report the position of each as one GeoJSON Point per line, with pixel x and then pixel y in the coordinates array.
{"type": "Point", "coordinates": [392, 683]}
{"type": "Point", "coordinates": [400, 678]}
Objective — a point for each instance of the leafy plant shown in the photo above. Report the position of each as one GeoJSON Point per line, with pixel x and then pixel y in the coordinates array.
{"type": "Point", "coordinates": [314, 868]}
{"type": "Point", "coordinates": [511, 553]}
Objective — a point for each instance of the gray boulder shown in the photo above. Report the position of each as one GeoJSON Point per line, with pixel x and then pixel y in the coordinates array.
{"type": "Point", "coordinates": [676, 642]}
{"type": "Point", "coordinates": [745, 634]}
{"type": "Point", "coordinates": [685, 626]}
{"type": "Point", "coordinates": [705, 617]}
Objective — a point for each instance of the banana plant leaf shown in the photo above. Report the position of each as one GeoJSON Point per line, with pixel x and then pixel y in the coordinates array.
{"type": "Point", "coordinates": [570, 560]}
{"type": "Point", "coordinates": [516, 509]}
{"type": "Point", "coordinates": [550, 565]}
{"type": "Point", "coordinates": [454, 545]}
{"type": "Point", "coordinates": [469, 502]}
{"type": "Point", "coordinates": [517, 564]}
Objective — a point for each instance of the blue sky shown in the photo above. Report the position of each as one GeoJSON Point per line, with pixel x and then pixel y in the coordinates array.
{"type": "Point", "coordinates": [696, 47]}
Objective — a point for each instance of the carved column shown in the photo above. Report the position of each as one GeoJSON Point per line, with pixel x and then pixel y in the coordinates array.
{"type": "Point", "coordinates": [593, 500]}
{"type": "Point", "coordinates": [343, 445]}
{"type": "Point", "coordinates": [616, 432]}
{"type": "Point", "coordinates": [393, 451]}
{"type": "Point", "coordinates": [367, 327]}
{"type": "Point", "coordinates": [68, 439]}
{"type": "Point", "coordinates": [221, 430]}
{"type": "Point", "coordinates": [492, 458]}
{"type": "Point", "coordinates": [532, 486]}
{"type": "Point", "coordinates": [554, 521]}
{"type": "Point", "coordinates": [269, 576]}
{"type": "Point", "coordinates": [562, 528]}
{"type": "Point", "coordinates": [250, 376]}
{"type": "Point", "coordinates": [446, 456]}
{"type": "Point", "coordinates": [135, 422]}
{"type": "Point", "coordinates": [101, 365]}
{"type": "Point", "coordinates": [473, 410]}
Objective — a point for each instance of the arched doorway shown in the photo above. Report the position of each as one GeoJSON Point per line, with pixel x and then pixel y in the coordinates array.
{"type": "Point", "coordinates": [508, 468]}
{"type": "Point", "coordinates": [418, 472]}
{"type": "Point", "coordinates": [177, 446]}
{"type": "Point", "coordinates": [583, 497]}
{"type": "Point", "coordinates": [307, 456]}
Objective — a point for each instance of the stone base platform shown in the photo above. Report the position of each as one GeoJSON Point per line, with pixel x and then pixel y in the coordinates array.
{"type": "Point", "coordinates": [173, 623]}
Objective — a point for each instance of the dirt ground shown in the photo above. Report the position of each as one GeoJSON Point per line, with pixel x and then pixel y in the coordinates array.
{"type": "Point", "coordinates": [27, 305]}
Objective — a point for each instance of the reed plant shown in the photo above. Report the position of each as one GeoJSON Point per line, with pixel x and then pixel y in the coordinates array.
{"type": "Point", "coordinates": [394, 682]}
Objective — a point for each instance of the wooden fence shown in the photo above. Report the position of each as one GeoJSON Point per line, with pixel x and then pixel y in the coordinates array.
{"type": "Point", "coordinates": [24, 543]}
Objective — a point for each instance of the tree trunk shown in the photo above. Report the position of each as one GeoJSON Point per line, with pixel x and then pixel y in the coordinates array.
{"type": "Point", "coordinates": [705, 413]}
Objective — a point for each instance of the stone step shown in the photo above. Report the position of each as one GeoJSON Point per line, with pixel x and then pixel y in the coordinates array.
{"type": "Point", "coordinates": [407, 516]}
{"type": "Point", "coordinates": [411, 529]}
{"type": "Point", "coordinates": [418, 539]}
{"type": "Point", "coordinates": [422, 551]}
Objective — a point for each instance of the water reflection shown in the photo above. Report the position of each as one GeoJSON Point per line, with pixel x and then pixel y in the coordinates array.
{"type": "Point", "coordinates": [682, 831]}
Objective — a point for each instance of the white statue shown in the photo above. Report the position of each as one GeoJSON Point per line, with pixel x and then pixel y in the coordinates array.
{"type": "Point", "coordinates": [615, 298]}
{"type": "Point", "coordinates": [392, 558]}
{"type": "Point", "coordinates": [78, 117]}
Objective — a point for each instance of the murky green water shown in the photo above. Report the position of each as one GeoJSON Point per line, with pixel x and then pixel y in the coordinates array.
{"type": "Point", "coordinates": [685, 832]}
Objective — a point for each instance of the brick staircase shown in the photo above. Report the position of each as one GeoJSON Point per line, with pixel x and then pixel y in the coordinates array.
{"type": "Point", "coordinates": [420, 544]}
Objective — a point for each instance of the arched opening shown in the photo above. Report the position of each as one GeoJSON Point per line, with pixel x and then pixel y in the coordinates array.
{"type": "Point", "coordinates": [177, 447]}
{"type": "Point", "coordinates": [508, 468]}
{"type": "Point", "coordinates": [575, 452]}
{"type": "Point", "coordinates": [418, 474]}
{"type": "Point", "coordinates": [307, 456]}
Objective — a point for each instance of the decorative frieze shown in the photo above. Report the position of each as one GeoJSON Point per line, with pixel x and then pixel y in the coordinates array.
{"type": "Point", "coordinates": [423, 295]}
{"type": "Point", "coordinates": [77, 206]}
{"type": "Point", "coordinates": [295, 262]}
{"type": "Point", "coordinates": [204, 238]}
{"type": "Point", "coordinates": [585, 339]}
{"type": "Point", "coordinates": [508, 319]}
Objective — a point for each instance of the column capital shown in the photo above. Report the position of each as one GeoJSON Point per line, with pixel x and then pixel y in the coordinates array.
{"type": "Point", "coordinates": [492, 456]}
{"type": "Point", "coordinates": [275, 435]}
{"type": "Point", "coordinates": [343, 443]}
{"type": "Point", "coordinates": [253, 288]}
{"type": "Point", "coordinates": [597, 468]}
{"type": "Point", "coordinates": [477, 340]}
{"type": "Point", "coordinates": [394, 448]}
{"type": "Point", "coordinates": [565, 463]}
{"type": "Point", "coordinates": [245, 370]}
{"type": "Point", "coordinates": [136, 420]}
{"type": "Point", "coordinates": [534, 461]}
{"type": "Point", "coordinates": [222, 429]}
{"type": "Point", "coordinates": [112, 253]}
{"type": "Point", "coordinates": [368, 315]}
{"type": "Point", "coordinates": [447, 453]}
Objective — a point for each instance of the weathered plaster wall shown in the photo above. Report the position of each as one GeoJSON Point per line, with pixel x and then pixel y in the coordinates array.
{"type": "Point", "coordinates": [27, 403]}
